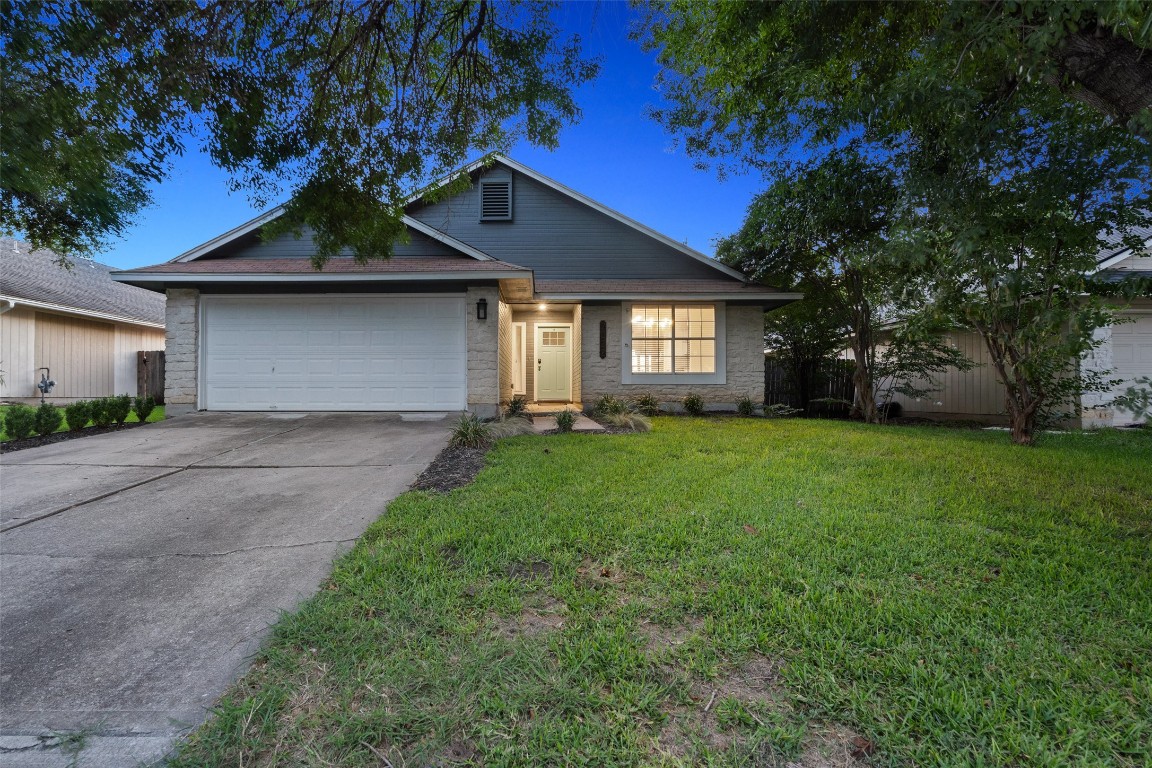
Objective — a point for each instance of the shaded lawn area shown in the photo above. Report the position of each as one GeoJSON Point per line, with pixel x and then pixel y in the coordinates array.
{"type": "Point", "coordinates": [730, 592]}
{"type": "Point", "coordinates": [156, 415]}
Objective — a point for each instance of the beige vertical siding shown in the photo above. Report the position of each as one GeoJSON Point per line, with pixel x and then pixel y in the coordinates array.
{"type": "Point", "coordinates": [131, 339]}
{"type": "Point", "coordinates": [977, 392]}
{"type": "Point", "coordinates": [18, 353]}
{"type": "Point", "coordinates": [531, 315]}
{"type": "Point", "coordinates": [505, 352]}
{"type": "Point", "coordinates": [79, 352]}
{"type": "Point", "coordinates": [577, 351]}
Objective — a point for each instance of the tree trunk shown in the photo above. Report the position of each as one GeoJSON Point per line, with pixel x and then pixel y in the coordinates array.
{"type": "Point", "coordinates": [1023, 423]}
{"type": "Point", "coordinates": [1106, 71]}
{"type": "Point", "coordinates": [865, 405]}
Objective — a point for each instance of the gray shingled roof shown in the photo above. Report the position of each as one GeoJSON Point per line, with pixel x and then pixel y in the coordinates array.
{"type": "Point", "coordinates": [1114, 246]}
{"type": "Point", "coordinates": [87, 286]}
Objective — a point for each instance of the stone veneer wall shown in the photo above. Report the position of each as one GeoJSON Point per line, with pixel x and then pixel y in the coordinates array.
{"type": "Point", "coordinates": [744, 350]}
{"type": "Point", "coordinates": [483, 353]}
{"type": "Point", "coordinates": [182, 329]}
{"type": "Point", "coordinates": [577, 352]}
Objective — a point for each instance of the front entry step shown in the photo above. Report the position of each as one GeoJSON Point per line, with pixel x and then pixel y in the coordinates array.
{"type": "Point", "coordinates": [542, 423]}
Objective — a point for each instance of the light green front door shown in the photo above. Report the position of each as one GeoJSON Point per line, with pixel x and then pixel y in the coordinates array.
{"type": "Point", "coordinates": [554, 362]}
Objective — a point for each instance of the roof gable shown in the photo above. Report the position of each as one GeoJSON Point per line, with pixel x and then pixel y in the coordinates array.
{"type": "Point", "coordinates": [87, 288]}
{"type": "Point", "coordinates": [562, 234]}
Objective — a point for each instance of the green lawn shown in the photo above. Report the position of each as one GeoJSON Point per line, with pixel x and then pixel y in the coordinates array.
{"type": "Point", "coordinates": [730, 592]}
{"type": "Point", "coordinates": [156, 415]}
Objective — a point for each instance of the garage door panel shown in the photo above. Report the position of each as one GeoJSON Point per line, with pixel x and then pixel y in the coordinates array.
{"type": "Point", "coordinates": [1131, 354]}
{"type": "Point", "coordinates": [334, 353]}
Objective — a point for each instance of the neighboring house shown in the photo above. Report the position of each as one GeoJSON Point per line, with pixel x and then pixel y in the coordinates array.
{"type": "Point", "coordinates": [1125, 353]}
{"type": "Point", "coordinates": [516, 286]}
{"type": "Point", "coordinates": [79, 323]}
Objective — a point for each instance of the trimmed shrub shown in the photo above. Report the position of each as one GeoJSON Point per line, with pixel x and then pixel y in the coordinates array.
{"type": "Point", "coordinates": [119, 408]}
{"type": "Point", "coordinates": [565, 420]}
{"type": "Point", "coordinates": [746, 407]}
{"type": "Point", "coordinates": [610, 405]}
{"type": "Point", "coordinates": [77, 415]}
{"type": "Point", "coordinates": [517, 406]}
{"type": "Point", "coordinates": [781, 411]}
{"type": "Point", "coordinates": [143, 406]}
{"type": "Point", "coordinates": [693, 404]}
{"type": "Point", "coordinates": [647, 404]}
{"type": "Point", "coordinates": [101, 413]}
{"type": "Point", "coordinates": [470, 432]}
{"type": "Point", "coordinates": [633, 422]}
{"type": "Point", "coordinates": [19, 422]}
{"type": "Point", "coordinates": [48, 419]}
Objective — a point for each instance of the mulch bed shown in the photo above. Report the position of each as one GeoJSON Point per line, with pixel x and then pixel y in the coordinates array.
{"type": "Point", "coordinates": [58, 437]}
{"type": "Point", "coordinates": [452, 468]}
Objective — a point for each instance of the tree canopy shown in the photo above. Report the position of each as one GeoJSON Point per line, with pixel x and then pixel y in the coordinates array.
{"type": "Point", "coordinates": [348, 104]}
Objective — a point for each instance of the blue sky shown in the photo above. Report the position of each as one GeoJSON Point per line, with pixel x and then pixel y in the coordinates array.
{"type": "Point", "coordinates": [614, 154]}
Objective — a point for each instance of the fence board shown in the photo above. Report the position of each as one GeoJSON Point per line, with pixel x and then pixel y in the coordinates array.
{"type": "Point", "coordinates": [150, 375]}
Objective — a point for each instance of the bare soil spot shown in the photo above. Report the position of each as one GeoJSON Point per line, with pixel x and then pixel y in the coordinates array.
{"type": "Point", "coordinates": [660, 639]}
{"type": "Point", "coordinates": [527, 571]}
{"type": "Point", "coordinates": [829, 746]}
{"type": "Point", "coordinates": [592, 574]}
{"type": "Point", "coordinates": [545, 615]}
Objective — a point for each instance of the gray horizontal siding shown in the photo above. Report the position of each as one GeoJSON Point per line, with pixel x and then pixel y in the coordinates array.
{"type": "Point", "coordinates": [287, 246]}
{"type": "Point", "coordinates": [558, 237]}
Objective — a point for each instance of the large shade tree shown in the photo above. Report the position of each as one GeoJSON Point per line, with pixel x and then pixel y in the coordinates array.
{"type": "Point", "coordinates": [1013, 160]}
{"type": "Point", "coordinates": [345, 105]}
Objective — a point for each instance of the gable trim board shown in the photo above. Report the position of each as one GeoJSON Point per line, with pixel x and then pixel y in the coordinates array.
{"type": "Point", "coordinates": [14, 302]}
{"type": "Point", "coordinates": [1120, 256]}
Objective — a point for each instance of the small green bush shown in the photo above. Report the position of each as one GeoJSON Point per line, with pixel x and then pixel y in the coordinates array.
{"type": "Point", "coordinates": [610, 405]}
{"type": "Point", "coordinates": [48, 419]}
{"type": "Point", "coordinates": [119, 407]}
{"type": "Point", "coordinates": [19, 422]}
{"type": "Point", "coordinates": [101, 412]}
{"type": "Point", "coordinates": [510, 427]}
{"type": "Point", "coordinates": [517, 406]}
{"type": "Point", "coordinates": [565, 420]}
{"type": "Point", "coordinates": [781, 411]}
{"type": "Point", "coordinates": [470, 432]}
{"type": "Point", "coordinates": [78, 414]}
{"type": "Point", "coordinates": [633, 422]}
{"type": "Point", "coordinates": [746, 406]}
{"type": "Point", "coordinates": [693, 404]}
{"type": "Point", "coordinates": [647, 404]}
{"type": "Point", "coordinates": [143, 406]}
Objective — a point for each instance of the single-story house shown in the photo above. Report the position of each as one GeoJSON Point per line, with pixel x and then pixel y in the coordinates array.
{"type": "Point", "coordinates": [516, 286]}
{"type": "Point", "coordinates": [77, 322]}
{"type": "Point", "coordinates": [1124, 354]}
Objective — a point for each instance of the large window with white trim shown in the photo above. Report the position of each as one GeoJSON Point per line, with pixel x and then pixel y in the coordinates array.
{"type": "Point", "coordinates": [673, 338]}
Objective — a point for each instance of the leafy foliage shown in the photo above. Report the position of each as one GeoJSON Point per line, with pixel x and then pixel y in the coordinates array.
{"type": "Point", "coordinates": [103, 411]}
{"type": "Point", "coordinates": [348, 106]}
{"type": "Point", "coordinates": [119, 407]}
{"type": "Point", "coordinates": [19, 421]}
{"type": "Point", "coordinates": [910, 361]}
{"type": "Point", "coordinates": [565, 420]}
{"type": "Point", "coordinates": [517, 406]}
{"type": "Point", "coordinates": [746, 406]}
{"type": "Point", "coordinates": [143, 406]}
{"type": "Point", "coordinates": [470, 432]}
{"type": "Point", "coordinates": [647, 404]}
{"type": "Point", "coordinates": [610, 405]}
{"type": "Point", "coordinates": [48, 419]}
{"type": "Point", "coordinates": [78, 414]}
{"type": "Point", "coordinates": [1137, 399]}
{"type": "Point", "coordinates": [693, 404]}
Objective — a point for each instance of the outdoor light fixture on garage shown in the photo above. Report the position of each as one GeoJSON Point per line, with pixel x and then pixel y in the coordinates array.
{"type": "Point", "coordinates": [482, 309]}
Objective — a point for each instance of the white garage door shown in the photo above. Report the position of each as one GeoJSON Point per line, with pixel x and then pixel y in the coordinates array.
{"type": "Point", "coordinates": [328, 353]}
{"type": "Point", "coordinates": [1131, 353]}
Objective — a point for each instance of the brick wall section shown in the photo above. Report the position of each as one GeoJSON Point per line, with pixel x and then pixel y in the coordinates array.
{"type": "Point", "coordinates": [483, 353]}
{"type": "Point", "coordinates": [744, 350]}
{"type": "Point", "coordinates": [505, 353]}
{"type": "Point", "coordinates": [182, 329]}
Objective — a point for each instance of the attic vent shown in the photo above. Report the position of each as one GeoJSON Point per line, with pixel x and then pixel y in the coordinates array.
{"type": "Point", "coordinates": [496, 200]}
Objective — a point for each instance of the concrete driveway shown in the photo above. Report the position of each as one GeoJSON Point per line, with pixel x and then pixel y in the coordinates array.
{"type": "Point", "coordinates": [141, 570]}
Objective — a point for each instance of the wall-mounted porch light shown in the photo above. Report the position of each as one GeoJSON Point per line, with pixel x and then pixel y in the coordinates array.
{"type": "Point", "coordinates": [482, 309]}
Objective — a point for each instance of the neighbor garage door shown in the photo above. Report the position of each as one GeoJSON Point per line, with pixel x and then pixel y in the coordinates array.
{"type": "Point", "coordinates": [1131, 352]}
{"type": "Point", "coordinates": [329, 353]}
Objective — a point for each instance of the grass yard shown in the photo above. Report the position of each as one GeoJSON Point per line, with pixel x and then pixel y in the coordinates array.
{"type": "Point", "coordinates": [730, 592]}
{"type": "Point", "coordinates": [156, 415]}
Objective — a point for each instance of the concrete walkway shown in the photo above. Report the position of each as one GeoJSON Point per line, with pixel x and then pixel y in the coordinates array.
{"type": "Point", "coordinates": [582, 424]}
{"type": "Point", "coordinates": [142, 569]}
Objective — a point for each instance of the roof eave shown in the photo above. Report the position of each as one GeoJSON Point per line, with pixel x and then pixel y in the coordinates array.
{"type": "Point", "coordinates": [16, 301]}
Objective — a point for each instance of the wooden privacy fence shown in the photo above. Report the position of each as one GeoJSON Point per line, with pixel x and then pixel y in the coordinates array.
{"type": "Point", "coordinates": [819, 388]}
{"type": "Point", "coordinates": [150, 375]}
